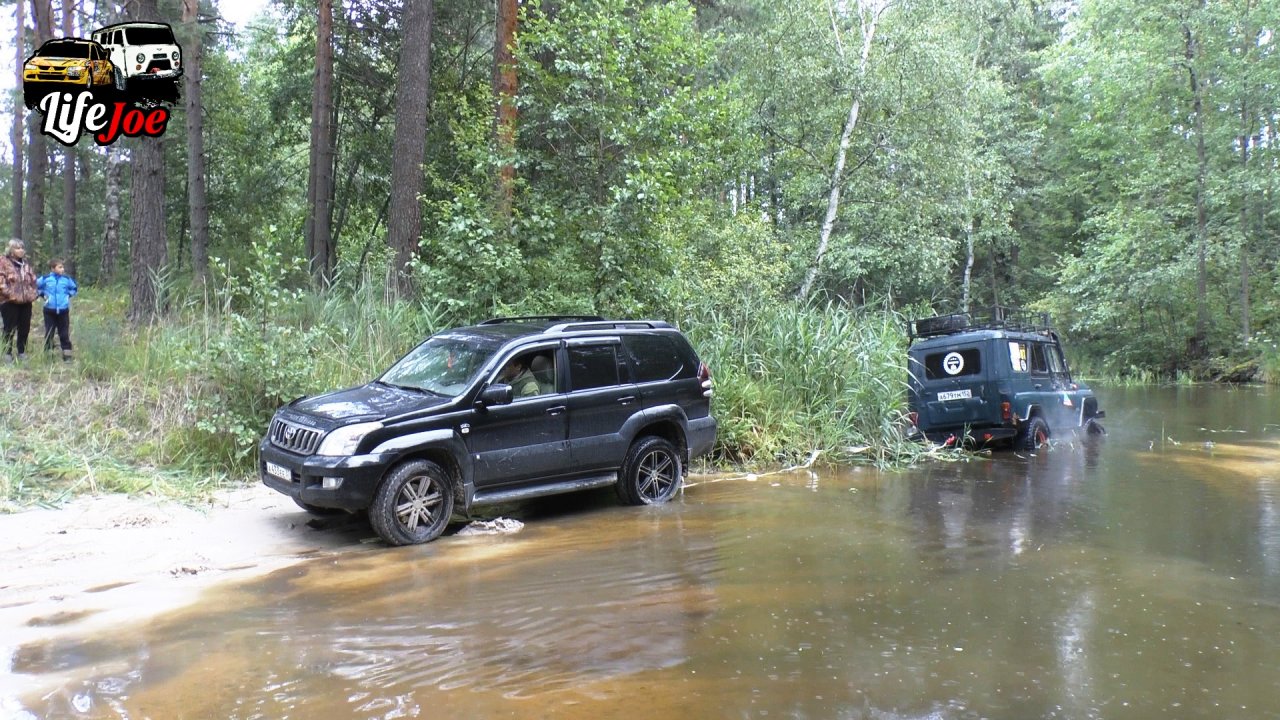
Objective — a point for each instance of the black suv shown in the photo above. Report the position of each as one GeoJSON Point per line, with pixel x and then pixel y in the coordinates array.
{"type": "Point", "coordinates": [999, 378]}
{"type": "Point", "coordinates": [510, 409]}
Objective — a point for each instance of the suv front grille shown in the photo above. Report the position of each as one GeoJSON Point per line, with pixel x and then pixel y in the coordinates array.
{"type": "Point", "coordinates": [294, 438]}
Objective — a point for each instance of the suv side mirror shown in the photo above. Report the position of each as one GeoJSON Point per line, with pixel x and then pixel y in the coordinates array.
{"type": "Point", "coordinates": [495, 394]}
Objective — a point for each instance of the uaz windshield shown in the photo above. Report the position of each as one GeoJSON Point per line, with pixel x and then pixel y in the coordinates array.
{"type": "Point", "coordinates": [149, 36]}
{"type": "Point", "coordinates": [442, 365]}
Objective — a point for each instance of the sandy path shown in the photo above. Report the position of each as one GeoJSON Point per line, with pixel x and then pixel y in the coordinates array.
{"type": "Point", "coordinates": [104, 561]}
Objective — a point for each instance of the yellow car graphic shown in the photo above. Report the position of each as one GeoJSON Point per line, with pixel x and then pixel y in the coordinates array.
{"type": "Point", "coordinates": [67, 64]}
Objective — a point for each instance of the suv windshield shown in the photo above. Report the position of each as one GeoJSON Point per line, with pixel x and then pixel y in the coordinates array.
{"type": "Point", "coordinates": [64, 50]}
{"type": "Point", "coordinates": [442, 365]}
{"type": "Point", "coordinates": [149, 36]}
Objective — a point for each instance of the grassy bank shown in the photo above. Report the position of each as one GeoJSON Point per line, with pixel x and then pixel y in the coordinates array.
{"type": "Point", "coordinates": [176, 408]}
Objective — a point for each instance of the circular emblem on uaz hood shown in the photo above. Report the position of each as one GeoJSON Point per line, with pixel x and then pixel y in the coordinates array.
{"type": "Point", "coordinates": [953, 363]}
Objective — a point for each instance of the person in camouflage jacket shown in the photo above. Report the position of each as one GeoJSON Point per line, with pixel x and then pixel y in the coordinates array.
{"type": "Point", "coordinates": [17, 292]}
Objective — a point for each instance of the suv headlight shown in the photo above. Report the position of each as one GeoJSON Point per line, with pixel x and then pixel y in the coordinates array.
{"type": "Point", "coordinates": [175, 56]}
{"type": "Point", "coordinates": [140, 58]}
{"type": "Point", "coordinates": [345, 439]}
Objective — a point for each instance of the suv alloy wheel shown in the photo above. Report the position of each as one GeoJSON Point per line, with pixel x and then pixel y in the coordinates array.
{"type": "Point", "coordinates": [413, 503]}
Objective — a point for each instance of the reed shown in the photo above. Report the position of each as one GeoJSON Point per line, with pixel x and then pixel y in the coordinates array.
{"type": "Point", "coordinates": [175, 408]}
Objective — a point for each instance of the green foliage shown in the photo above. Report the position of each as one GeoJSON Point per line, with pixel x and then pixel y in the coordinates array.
{"type": "Point", "coordinates": [614, 136]}
{"type": "Point", "coordinates": [257, 361]}
{"type": "Point", "coordinates": [793, 379]}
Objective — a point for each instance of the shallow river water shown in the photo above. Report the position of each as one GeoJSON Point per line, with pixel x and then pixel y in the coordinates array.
{"type": "Point", "coordinates": [1135, 577]}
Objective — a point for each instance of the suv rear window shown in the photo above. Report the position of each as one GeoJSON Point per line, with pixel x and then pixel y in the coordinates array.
{"type": "Point", "coordinates": [953, 363]}
{"type": "Point", "coordinates": [656, 358]}
{"type": "Point", "coordinates": [592, 366]}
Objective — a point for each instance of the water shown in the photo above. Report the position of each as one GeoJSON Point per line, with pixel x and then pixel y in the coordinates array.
{"type": "Point", "coordinates": [1137, 577]}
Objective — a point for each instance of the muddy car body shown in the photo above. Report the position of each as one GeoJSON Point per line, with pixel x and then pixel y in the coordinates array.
{"type": "Point", "coordinates": [595, 403]}
{"type": "Point", "coordinates": [1002, 380]}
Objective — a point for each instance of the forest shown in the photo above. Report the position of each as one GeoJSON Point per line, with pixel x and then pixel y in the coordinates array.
{"type": "Point", "coordinates": [788, 182]}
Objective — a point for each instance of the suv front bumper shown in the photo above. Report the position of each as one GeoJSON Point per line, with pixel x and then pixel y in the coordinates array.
{"type": "Point", "coordinates": [359, 476]}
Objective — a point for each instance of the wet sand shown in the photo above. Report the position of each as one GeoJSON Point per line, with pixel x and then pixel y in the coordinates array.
{"type": "Point", "coordinates": [105, 561]}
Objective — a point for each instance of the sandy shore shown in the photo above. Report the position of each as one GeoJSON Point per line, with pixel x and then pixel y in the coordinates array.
{"type": "Point", "coordinates": [103, 561]}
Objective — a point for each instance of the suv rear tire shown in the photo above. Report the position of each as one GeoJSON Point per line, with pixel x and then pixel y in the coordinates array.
{"type": "Point", "coordinates": [1035, 434]}
{"type": "Point", "coordinates": [413, 503]}
{"type": "Point", "coordinates": [651, 472]}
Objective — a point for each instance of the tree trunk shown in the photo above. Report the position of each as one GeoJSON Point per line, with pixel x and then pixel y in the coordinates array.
{"type": "Point", "coordinates": [1198, 342]}
{"type": "Point", "coordinates": [15, 137]}
{"type": "Point", "coordinates": [504, 89]}
{"type": "Point", "coordinates": [1246, 136]}
{"type": "Point", "coordinates": [111, 228]}
{"type": "Point", "coordinates": [37, 148]}
{"type": "Point", "coordinates": [197, 197]}
{"type": "Point", "coordinates": [413, 92]}
{"type": "Point", "coordinates": [968, 242]}
{"type": "Point", "coordinates": [148, 242]}
{"type": "Point", "coordinates": [869, 18]}
{"type": "Point", "coordinates": [69, 168]}
{"type": "Point", "coordinates": [319, 239]}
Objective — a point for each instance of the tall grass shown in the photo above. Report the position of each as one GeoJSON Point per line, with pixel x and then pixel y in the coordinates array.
{"type": "Point", "coordinates": [792, 379]}
{"type": "Point", "coordinates": [176, 407]}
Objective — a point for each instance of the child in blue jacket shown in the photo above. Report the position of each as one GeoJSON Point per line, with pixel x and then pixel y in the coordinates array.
{"type": "Point", "coordinates": [57, 289]}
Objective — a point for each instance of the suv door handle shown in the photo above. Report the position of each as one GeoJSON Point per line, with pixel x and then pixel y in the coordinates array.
{"type": "Point", "coordinates": [626, 400]}
{"type": "Point", "coordinates": [555, 410]}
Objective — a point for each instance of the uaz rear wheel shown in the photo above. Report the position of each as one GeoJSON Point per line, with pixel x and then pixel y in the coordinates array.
{"type": "Point", "coordinates": [413, 504]}
{"type": "Point", "coordinates": [1035, 434]}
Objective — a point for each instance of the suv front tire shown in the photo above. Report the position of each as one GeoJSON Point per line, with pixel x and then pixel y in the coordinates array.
{"type": "Point", "coordinates": [413, 504]}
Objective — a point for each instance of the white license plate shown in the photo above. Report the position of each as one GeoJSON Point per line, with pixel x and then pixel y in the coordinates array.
{"type": "Point", "coordinates": [955, 395]}
{"type": "Point", "coordinates": [279, 471]}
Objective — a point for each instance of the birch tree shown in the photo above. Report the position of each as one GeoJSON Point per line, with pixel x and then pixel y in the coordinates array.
{"type": "Point", "coordinates": [868, 14]}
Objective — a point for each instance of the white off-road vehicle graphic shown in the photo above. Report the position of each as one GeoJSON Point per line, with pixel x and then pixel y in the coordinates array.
{"type": "Point", "coordinates": [144, 54]}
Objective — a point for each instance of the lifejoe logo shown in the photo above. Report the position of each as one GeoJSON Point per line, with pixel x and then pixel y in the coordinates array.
{"type": "Point", "coordinates": [117, 83]}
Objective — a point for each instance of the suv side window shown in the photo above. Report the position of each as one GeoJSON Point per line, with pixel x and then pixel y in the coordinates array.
{"type": "Point", "coordinates": [592, 366]}
{"type": "Point", "coordinates": [655, 357]}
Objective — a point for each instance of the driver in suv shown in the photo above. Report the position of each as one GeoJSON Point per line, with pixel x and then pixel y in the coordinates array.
{"type": "Point", "coordinates": [449, 427]}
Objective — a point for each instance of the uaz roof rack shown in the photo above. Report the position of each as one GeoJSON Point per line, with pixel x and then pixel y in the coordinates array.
{"type": "Point", "coordinates": [999, 317]}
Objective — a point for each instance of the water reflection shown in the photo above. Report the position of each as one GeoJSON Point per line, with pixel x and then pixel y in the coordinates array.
{"type": "Point", "coordinates": [1135, 577]}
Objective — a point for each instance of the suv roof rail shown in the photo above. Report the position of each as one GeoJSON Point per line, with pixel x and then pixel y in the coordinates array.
{"type": "Point", "coordinates": [998, 317]}
{"type": "Point", "coordinates": [541, 318]}
{"type": "Point", "coordinates": [610, 325]}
